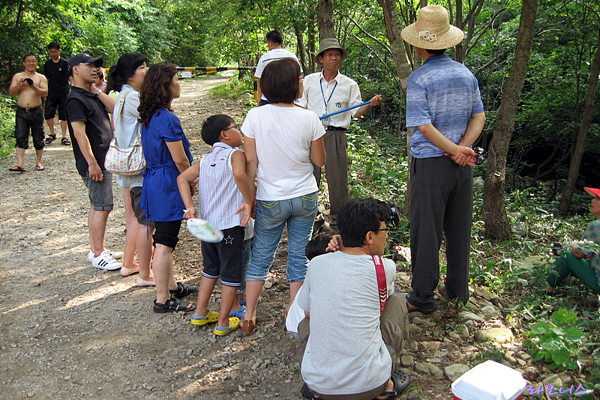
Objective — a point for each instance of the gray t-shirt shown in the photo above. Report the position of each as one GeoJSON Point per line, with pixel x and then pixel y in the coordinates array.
{"type": "Point", "coordinates": [345, 353]}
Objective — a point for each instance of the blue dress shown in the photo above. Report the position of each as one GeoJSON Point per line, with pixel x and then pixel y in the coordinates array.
{"type": "Point", "coordinates": [161, 200]}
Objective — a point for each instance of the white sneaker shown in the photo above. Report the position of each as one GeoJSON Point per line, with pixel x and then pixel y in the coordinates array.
{"type": "Point", "coordinates": [106, 261]}
{"type": "Point", "coordinates": [114, 254]}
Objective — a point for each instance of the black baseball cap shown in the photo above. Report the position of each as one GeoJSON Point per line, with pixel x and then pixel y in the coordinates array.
{"type": "Point", "coordinates": [85, 59]}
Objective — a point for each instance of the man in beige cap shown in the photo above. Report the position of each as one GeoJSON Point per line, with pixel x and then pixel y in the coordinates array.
{"type": "Point", "coordinates": [326, 92]}
{"type": "Point", "coordinates": [445, 109]}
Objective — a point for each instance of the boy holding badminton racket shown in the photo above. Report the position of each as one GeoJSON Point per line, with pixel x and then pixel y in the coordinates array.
{"type": "Point", "coordinates": [225, 201]}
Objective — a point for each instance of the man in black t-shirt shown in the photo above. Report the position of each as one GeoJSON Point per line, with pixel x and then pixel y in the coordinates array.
{"type": "Point", "coordinates": [91, 131]}
{"type": "Point", "coordinates": [57, 72]}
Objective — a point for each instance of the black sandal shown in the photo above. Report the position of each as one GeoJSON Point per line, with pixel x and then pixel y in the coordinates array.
{"type": "Point", "coordinates": [401, 381]}
{"type": "Point", "coordinates": [306, 393]}
{"type": "Point", "coordinates": [65, 141]}
{"type": "Point", "coordinates": [51, 138]}
{"type": "Point", "coordinates": [172, 305]}
{"type": "Point", "coordinates": [183, 290]}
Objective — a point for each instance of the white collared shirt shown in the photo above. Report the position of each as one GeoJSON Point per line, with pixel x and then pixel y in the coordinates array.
{"type": "Point", "coordinates": [339, 93]}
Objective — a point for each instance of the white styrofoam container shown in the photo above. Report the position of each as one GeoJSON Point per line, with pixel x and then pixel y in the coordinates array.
{"type": "Point", "coordinates": [489, 381]}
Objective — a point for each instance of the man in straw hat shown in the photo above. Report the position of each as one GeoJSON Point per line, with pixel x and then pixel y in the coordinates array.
{"type": "Point", "coordinates": [445, 109]}
{"type": "Point", "coordinates": [583, 260]}
{"type": "Point", "coordinates": [326, 92]}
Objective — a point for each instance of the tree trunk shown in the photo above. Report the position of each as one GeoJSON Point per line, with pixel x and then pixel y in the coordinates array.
{"type": "Point", "coordinates": [403, 67]}
{"type": "Point", "coordinates": [496, 221]}
{"type": "Point", "coordinates": [19, 14]}
{"type": "Point", "coordinates": [459, 52]}
{"type": "Point", "coordinates": [301, 48]}
{"type": "Point", "coordinates": [325, 19]}
{"type": "Point", "coordinates": [588, 110]}
{"type": "Point", "coordinates": [311, 44]}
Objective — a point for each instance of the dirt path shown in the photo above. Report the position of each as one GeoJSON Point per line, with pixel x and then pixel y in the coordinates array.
{"type": "Point", "coordinates": [69, 331]}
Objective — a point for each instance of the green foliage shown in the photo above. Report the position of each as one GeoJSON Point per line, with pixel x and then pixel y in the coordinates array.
{"type": "Point", "coordinates": [7, 123]}
{"type": "Point", "coordinates": [234, 88]}
{"type": "Point", "coordinates": [558, 341]}
{"type": "Point", "coordinates": [375, 170]}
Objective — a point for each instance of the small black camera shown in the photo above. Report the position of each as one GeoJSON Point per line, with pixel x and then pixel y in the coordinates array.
{"type": "Point", "coordinates": [394, 216]}
{"type": "Point", "coordinates": [557, 248]}
{"type": "Point", "coordinates": [479, 158]}
{"type": "Point", "coordinates": [29, 81]}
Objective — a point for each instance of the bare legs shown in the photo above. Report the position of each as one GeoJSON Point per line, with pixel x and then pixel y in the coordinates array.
{"type": "Point", "coordinates": [228, 296]}
{"type": "Point", "coordinates": [97, 227]}
{"type": "Point", "coordinates": [132, 233]}
{"type": "Point", "coordinates": [21, 157]}
{"type": "Point", "coordinates": [38, 156]}
{"type": "Point", "coordinates": [144, 250]}
{"type": "Point", "coordinates": [63, 125]}
{"type": "Point", "coordinates": [253, 290]}
{"type": "Point", "coordinates": [163, 272]}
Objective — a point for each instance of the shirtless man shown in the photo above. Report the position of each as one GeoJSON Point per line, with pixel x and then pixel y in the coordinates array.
{"type": "Point", "coordinates": [30, 87]}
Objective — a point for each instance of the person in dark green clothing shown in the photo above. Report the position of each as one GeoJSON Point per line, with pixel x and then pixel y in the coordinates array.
{"type": "Point", "coordinates": [580, 261]}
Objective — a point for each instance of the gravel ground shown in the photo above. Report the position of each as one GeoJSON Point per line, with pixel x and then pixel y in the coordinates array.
{"type": "Point", "coordinates": [69, 331]}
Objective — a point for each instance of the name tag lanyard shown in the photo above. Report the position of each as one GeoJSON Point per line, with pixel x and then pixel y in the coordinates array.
{"type": "Point", "coordinates": [326, 102]}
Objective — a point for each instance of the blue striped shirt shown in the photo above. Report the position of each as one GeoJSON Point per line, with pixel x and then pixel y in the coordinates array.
{"type": "Point", "coordinates": [444, 93]}
{"type": "Point", "coordinates": [218, 192]}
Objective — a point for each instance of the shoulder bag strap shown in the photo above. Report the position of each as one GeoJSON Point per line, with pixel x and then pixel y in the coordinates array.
{"type": "Point", "coordinates": [381, 281]}
{"type": "Point", "coordinates": [121, 104]}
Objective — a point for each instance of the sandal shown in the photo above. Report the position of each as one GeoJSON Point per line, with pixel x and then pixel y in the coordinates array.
{"type": "Point", "coordinates": [65, 141]}
{"type": "Point", "coordinates": [16, 169]}
{"type": "Point", "coordinates": [234, 323]}
{"type": "Point", "coordinates": [425, 311]}
{"type": "Point", "coordinates": [239, 313]}
{"type": "Point", "coordinates": [306, 393]}
{"type": "Point", "coordinates": [183, 290]}
{"type": "Point", "coordinates": [40, 167]}
{"type": "Point", "coordinates": [172, 305]}
{"type": "Point", "coordinates": [401, 381]}
{"type": "Point", "coordinates": [211, 317]}
{"type": "Point", "coordinates": [51, 138]}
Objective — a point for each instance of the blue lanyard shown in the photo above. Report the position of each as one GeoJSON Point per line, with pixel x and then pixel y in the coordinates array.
{"type": "Point", "coordinates": [323, 94]}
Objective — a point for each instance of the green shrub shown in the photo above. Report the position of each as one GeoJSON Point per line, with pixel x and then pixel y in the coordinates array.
{"type": "Point", "coordinates": [7, 123]}
{"type": "Point", "coordinates": [558, 341]}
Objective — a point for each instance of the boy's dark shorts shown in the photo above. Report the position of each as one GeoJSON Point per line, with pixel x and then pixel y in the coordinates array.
{"type": "Point", "coordinates": [224, 259]}
{"type": "Point", "coordinates": [100, 193]}
{"type": "Point", "coordinates": [167, 233]}
{"type": "Point", "coordinates": [135, 193]}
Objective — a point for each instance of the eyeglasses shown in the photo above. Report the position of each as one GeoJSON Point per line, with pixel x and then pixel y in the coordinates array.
{"type": "Point", "coordinates": [231, 127]}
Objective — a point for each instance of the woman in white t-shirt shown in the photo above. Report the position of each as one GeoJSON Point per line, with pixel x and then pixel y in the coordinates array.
{"type": "Point", "coordinates": [127, 78]}
{"type": "Point", "coordinates": [281, 141]}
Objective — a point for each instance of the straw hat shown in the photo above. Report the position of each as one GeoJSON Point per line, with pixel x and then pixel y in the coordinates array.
{"type": "Point", "coordinates": [433, 31]}
{"type": "Point", "coordinates": [331, 43]}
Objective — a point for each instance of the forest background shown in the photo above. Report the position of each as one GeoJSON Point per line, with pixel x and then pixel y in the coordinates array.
{"type": "Point", "coordinates": [540, 154]}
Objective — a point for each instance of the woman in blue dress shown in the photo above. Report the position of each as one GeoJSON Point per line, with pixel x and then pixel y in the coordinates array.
{"type": "Point", "coordinates": [167, 153]}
